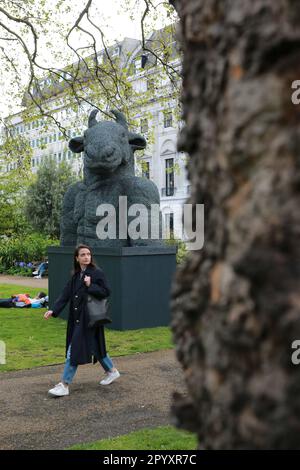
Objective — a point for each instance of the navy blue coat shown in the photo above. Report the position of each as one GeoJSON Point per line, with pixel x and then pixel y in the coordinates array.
{"type": "Point", "coordinates": [86, 342]}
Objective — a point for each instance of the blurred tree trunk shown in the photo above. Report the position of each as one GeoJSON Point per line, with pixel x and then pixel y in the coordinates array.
{"type": "Point", "coordinates": [236, 303]}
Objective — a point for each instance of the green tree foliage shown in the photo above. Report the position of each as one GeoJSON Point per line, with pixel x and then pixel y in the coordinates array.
{"type": "Point", "coordinates": [15, 153]}
{"type": "Point", "coordinates": [12, 218]}
{"type": "Point", "coordinates": [24, 249]}
{"type": "Point", "coordinates": [45, 196]}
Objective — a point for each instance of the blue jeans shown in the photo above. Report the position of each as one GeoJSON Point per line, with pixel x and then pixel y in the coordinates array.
{"type": "Point", "coordinates": [42, 269]}
{"type": "Point", "coordinates": [70, 371]}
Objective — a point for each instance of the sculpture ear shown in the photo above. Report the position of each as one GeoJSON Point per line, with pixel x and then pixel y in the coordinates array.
{"type": "Point", "coordinates": [136, 141]}
{"type": "Point", "coordinates": [76, 144]}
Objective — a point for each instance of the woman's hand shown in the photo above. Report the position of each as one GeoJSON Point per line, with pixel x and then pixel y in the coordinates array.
{"type": "Point", "coordinates": [48, 314]}
{"type": "Point", "coordinates": [87, 280]}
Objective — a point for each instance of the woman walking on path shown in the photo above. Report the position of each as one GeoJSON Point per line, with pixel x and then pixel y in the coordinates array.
{"type": "Point", "coordinates": [82, 342]}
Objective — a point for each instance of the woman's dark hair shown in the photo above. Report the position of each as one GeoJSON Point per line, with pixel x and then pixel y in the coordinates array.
{"type": "Point", "coordinates": [41, 295]}
{"type": "Point", "coordinates": [77, 267]}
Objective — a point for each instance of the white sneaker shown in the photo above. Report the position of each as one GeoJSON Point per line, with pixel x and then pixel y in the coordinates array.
{"type": "Point", "coordinates": [110, 377]}
{"type": "Point", "coordinates": [37, 277]}
{"type": "Point", "coordinates": [60, 390]}
{"type": "Point", "coordinates": [35, 273]}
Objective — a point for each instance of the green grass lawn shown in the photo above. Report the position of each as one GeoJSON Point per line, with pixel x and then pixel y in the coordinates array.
{"type": "Point", "coordinates": [32, 341]}
{"type": "Point", "coordinates": [161, 438]}
{"type": "Point", "coordinates": [6, 290]}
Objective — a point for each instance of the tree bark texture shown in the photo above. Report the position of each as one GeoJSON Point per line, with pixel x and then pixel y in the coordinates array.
{"type": "Point", "coordinates": [236, 302]}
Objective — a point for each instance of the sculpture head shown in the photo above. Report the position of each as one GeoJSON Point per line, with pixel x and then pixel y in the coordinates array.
{"type": "Point", "coordinates": [107, 145]}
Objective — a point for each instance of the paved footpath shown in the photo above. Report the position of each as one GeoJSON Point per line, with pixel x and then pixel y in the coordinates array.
{"type": "Point", "coordinates": [24, 281]}
{"type": "Point", "coordinates": [141, 398]}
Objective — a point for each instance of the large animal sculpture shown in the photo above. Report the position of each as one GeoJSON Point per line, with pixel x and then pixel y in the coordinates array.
{"type": "Point", "coordinates": [109, 148]}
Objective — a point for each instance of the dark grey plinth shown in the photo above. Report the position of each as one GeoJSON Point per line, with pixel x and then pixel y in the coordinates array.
{"type": "Point", "coordinates": [140, 279]}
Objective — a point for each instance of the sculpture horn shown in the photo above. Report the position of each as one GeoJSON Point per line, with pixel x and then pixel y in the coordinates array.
{"type": "Point", "coordinates": [120, 118]}
{"type": "Point", "coordinates": [92, 118]}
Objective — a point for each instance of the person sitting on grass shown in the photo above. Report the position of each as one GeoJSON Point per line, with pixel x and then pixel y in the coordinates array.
{"type": "Point", "coordinates": [25, 301]}
{"type": "Point", "coordinates": [40, 300]}
{"type": "Point", "coordinates": [38, 274]}
{"type": "Point", "coordinates": [21, 300]}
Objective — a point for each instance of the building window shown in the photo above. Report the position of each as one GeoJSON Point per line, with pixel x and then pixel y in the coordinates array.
{"type": "Point", "coordinates": [170, 177]}
{"type": "Point", "coordinates": [169, 221]}
{"type": "Point", "coordinates": [168, 118]}
{"type": "Point", "coordinates": [146, 170]}
{"type": "Point", "coordinates": [144, 59]}
{"type": "Point", "coordinates": [144, 125]}
{"type": "Point", "coordinates": [137, 65]}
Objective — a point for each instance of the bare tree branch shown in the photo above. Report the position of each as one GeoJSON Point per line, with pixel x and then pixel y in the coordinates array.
{"type": "Point", "coordinates": [145, 48]}
{"type": "Point", "coordinates": [27, 23]}
{"type": "Point", "coordinates": [83, 71]}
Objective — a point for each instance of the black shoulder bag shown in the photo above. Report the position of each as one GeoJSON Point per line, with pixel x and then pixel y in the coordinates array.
{"type": "Point", "coordinates": [98, 311]}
